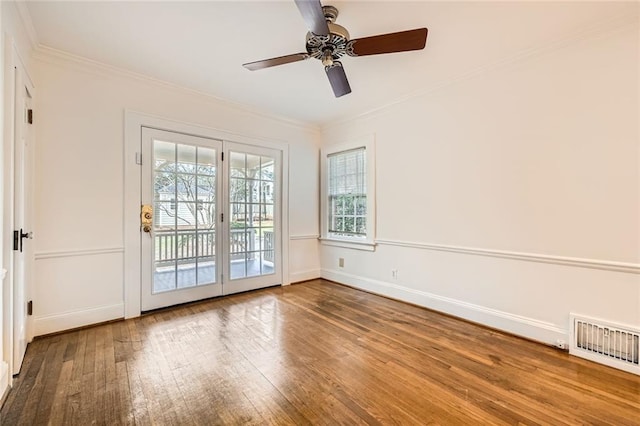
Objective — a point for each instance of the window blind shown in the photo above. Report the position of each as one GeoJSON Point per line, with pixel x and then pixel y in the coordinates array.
{"type": "Point", "coordinates": [347, 172]}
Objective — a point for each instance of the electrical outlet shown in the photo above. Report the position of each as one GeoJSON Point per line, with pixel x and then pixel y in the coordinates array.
{"type": "Point", "coordinates": [394, 274]}
{"type": "Point", "coordinates": [341, 262]}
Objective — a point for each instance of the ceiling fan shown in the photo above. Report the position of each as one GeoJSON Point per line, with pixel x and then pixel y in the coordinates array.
{"type": "Point", "coordinates": [328, 42]}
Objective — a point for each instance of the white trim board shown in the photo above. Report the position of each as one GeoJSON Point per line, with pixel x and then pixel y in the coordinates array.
{"type": "Point", "coordinates": [4, 381]}
{"type": "Point", "coordinates": [530, 328]}
{"type": "Point", "coordinates": [631, 268]}
{"type": "Point", "coordinates": [79, 252]}
{"type": "Point", "coordinates": [300, 276]}
{"type": "Point", "coordinates": [304, 237]}
{"type": "Point", "coordinates": [74, 319]}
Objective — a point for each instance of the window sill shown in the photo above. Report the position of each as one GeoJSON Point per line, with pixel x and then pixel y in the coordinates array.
{"type": "Point", "coordinates": [355, 245]}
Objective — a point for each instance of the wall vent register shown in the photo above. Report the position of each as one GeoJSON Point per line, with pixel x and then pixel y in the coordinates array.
{"type": "Point", "coordinates": [606, 343]}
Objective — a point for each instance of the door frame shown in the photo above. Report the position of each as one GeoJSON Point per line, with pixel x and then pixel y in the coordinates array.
{"type": "Point", "coordinates": [133, 123]}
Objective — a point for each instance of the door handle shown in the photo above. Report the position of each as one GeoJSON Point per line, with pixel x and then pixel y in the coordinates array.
{"type": "Point", "coordinates": [24, 235]}
{"type": "Point", "coordinates": [146, 217]}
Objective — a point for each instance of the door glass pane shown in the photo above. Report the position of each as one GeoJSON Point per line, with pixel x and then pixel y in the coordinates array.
{"type": "Point", "coordinates": [267, 169]}
{"type": "Point", "coordinates": [164, 156]}
{"type": "Point", "coordinates": [251, 197]}
{"type": "Point", "coordinates": [206, 188]}
{"type": "Point", "coordinates": [253, 264]}
{"type": "Point", "coordinates": [186, 213]}
{"type": "Point", "coordinates": [186, 159]}
{"type": "Point", "coordinates": [184, 216]}
{"type": "Point", "coordinates": [237, 190]}
{"type": "Point", "coordinates": [238, 266]}
{"type": "Point", "coordinates": [254, 190]}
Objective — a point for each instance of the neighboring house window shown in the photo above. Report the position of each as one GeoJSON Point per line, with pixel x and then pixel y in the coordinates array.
{"type": "Point", "coordinates": [348, 194]}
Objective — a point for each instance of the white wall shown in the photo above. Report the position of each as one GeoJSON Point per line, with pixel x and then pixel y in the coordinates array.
{"type": "Point", "coordinates": [490, 187]}
{"type": "Point", "coordinates": [79, 181]}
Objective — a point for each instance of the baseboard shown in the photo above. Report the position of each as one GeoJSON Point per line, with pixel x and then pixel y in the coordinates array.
{"type": "Point", "coordinates": [296, 277]}
{"type": "Point", "coordinates": [74, 319]}
{"type": "Point", "coordinates": [529, 328]}
{"type": "Point", "coordinates": [4, 381]}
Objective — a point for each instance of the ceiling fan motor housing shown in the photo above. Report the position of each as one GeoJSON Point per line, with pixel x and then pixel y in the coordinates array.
{"type": "Point", "coordinates": [329, 48]}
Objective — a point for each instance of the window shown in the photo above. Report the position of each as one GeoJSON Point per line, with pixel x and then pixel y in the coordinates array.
{"type": "Point", "coordinates": [348, 195]}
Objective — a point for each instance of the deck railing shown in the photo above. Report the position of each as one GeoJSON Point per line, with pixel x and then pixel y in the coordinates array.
{"type": "Point", "coordinates": [184, 246]}
{"type": "Point", "coordinates": [269, 244]}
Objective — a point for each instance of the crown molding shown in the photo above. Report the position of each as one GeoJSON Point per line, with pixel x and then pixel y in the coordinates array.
{"type": "Point", "coordinates": [59, 57]}
{"type": "Point", "coordinates": [611, 25]}
{"type": "Point", "coordinates": [27, 22]}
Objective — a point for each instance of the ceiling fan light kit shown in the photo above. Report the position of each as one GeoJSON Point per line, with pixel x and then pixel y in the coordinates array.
{"type": "Point", "coordinates": [328, 42]}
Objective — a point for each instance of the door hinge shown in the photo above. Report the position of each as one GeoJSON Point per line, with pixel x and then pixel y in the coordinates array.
{"type": "Point", "coordinates": [139, 158]}
{"type": "Point", "coordinates": [30, 307]}
{"type": "Point", "coordinates": [30, 116]}
{"type": "Point", "coordinates": [222, 155]}
{"type": "Point", "coordinates": [16, 240]}
{"type": "Point", "coordinates": [221, 217]}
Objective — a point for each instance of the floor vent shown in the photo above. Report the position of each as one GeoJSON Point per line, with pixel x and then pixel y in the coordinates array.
{"type": "Point", "coordinates": [607, 343]}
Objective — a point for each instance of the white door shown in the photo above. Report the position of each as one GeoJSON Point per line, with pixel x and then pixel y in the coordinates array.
{"type": "Point", "coordinates": [23, 251]}
{"type": "Point", "coordinates": [181, 248]}
{"type": "Point", "coordinates": [214, 224]}
{"type": "Point", "coordinates": [253, 228]}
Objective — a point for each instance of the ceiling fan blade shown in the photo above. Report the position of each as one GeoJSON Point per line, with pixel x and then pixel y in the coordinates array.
{"type": "Point", "coordinates": [389, 43]}
{"type": "Point", "coordinates": [311, 11]}
{"type": "Point", "coordinates": [280, 60]}
{"type": "Point", "coordinates": [338, 79]}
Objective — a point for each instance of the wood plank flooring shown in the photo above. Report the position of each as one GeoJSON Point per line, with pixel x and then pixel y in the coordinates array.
{"type": "Point", "coordinates": [310, 353]}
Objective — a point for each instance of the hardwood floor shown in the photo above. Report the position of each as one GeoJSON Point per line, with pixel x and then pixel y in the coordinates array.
{"type": "Point", "coordinates": [310, 353]}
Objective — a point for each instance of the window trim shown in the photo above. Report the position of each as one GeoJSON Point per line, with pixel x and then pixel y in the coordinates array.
{"type": "Point", "coordinates": [367, 243]}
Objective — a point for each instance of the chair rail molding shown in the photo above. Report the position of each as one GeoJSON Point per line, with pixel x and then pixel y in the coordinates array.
{"type": "Point", "coordinates": [607, 265]}
{"type": "Point", "coordinates": [305, 237]}
{"type": "Point", "coordinates": [77, 252]}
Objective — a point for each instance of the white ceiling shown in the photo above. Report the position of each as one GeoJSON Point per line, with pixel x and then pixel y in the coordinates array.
{"type": "Point", "coordinates": [202, 45]}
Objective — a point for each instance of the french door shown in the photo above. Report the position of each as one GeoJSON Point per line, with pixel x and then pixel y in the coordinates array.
{"type": "Point", "coordinates": [210, 218]}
